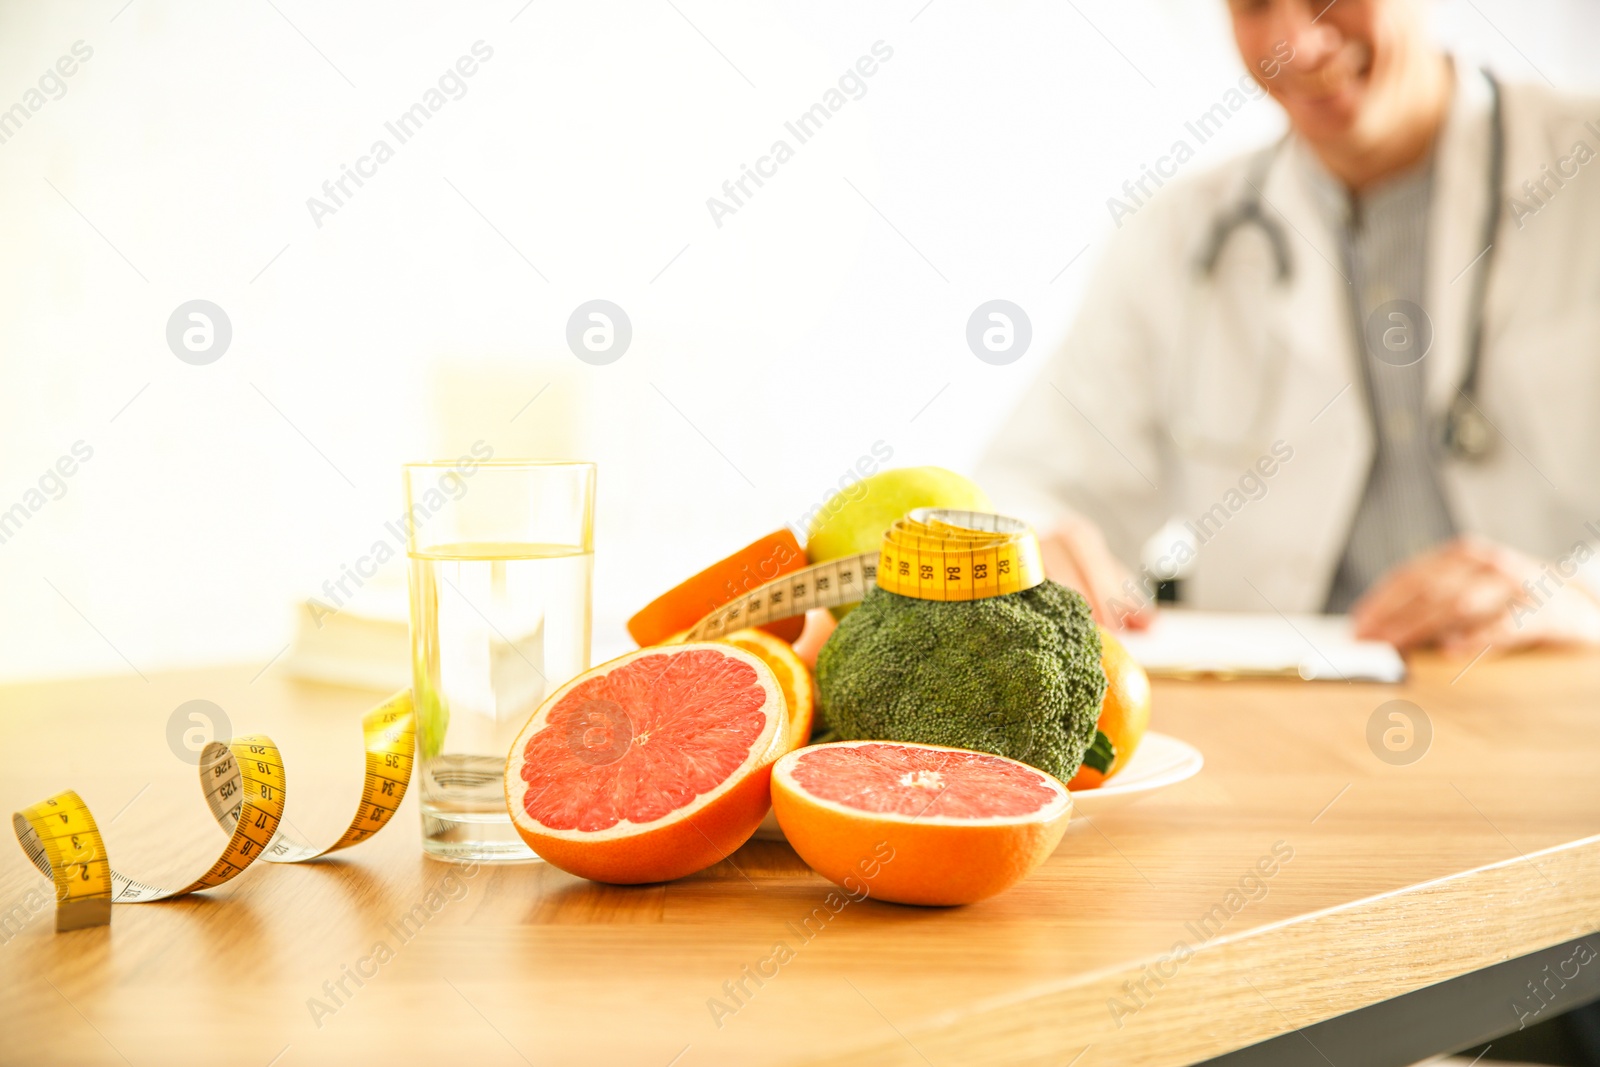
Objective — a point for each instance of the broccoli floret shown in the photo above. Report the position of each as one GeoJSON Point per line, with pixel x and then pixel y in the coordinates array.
{"type": "Point", "coordinates": [1017, 675]}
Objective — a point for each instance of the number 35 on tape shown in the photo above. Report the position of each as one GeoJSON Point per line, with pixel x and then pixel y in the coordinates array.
{"type": "Point", "coordinates": [243, 780]}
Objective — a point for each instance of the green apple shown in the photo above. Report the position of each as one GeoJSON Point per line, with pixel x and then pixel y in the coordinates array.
{"type": "Point", "coordinates": [854, 519]}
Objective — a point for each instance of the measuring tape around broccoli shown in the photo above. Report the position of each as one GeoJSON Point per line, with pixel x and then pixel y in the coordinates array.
{"type": "Point", "coordinates": [931, 554]}
{"type": "Point", "coordinates": [243, 781]}
{"type": "Point", "coordinates": [964, 644]}
{"type": "Point", "coordinates": [934, 554]}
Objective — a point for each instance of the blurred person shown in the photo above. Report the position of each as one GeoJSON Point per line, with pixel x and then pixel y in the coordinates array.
{"type": "Point", "coordinates": [1356, 370]}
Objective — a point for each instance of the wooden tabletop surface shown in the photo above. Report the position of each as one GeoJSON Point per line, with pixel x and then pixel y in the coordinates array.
{"type": "Point", "coordinates": [1150, 937]}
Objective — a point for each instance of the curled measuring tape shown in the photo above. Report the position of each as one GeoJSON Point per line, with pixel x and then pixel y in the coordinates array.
{"type": "Point", "coordinates": [931, 554]}
{"type": "Point", "coordinates": [934, 554]}
{"type": "Point", "coordinates": [243, 780]}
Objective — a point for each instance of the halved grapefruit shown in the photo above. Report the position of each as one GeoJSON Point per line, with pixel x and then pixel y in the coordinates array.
{"type": "Point", "coordinates": [794, 678]}
{"type": "Point", "coordinates": [917, 824]}
{"type": "Point", "coordinates": [649, 767]}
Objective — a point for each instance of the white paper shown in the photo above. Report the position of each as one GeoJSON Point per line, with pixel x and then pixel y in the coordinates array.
{"type": "Point", "coordinates": [1314, 647]}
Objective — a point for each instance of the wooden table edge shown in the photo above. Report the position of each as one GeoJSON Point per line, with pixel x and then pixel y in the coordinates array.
{"type": "Point", "coordinates": [1294, 973]}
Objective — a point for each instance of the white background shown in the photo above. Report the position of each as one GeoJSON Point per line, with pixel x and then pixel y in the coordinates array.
{"type": "Point", "coordinates": [826, 315]}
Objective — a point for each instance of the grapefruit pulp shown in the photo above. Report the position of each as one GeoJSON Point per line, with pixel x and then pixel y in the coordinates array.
{"type": "Point", "coordinates": [649, 767]}
{"type": "Point", "coordinates": [794, 678]}
{"type": "Point", "coordinates": [917, 824]}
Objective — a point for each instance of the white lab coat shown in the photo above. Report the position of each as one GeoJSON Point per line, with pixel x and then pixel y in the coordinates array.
{"type": "Point", "coordinates": [1149, 410]}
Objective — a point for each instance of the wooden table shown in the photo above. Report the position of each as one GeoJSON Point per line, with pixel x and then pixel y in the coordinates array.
{"type": "Point", "coordinates": [1401, 876]}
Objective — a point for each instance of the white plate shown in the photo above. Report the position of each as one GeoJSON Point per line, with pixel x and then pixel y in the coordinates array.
{"type": "Point", "coordinates": [1161, 760]}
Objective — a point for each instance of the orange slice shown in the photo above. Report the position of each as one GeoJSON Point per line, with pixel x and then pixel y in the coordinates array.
{"type": "Point", "coordinates": [691, 600]}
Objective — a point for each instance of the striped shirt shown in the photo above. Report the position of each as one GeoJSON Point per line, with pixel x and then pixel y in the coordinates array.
{"type": "Point", "coordinates": [1383, 235]}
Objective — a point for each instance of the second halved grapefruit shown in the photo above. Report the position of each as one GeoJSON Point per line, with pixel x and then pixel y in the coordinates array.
{"type": "Point", "coordinates": [917, 824]}
{"type": "Point", "coordinates": [649, 767]}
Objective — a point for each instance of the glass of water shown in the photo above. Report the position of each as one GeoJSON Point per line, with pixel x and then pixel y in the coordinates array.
{"type": "Point", "coordinates": [502, 556]}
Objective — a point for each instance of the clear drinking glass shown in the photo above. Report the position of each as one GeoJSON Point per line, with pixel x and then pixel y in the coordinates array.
{"type": "Point", "coordinates": [502, 556]}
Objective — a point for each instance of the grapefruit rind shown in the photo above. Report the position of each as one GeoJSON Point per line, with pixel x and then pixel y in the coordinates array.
{"type": "Point", "coordinates": [926, 860]}
{"type": "Point", "coordinates": [685, 840]}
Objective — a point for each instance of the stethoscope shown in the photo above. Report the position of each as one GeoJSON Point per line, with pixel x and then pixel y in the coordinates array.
{"type": "Point", "coordinates": [1466, 433]}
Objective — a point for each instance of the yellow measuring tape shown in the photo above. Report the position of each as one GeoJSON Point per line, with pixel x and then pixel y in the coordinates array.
{"type": "Point", "coordinates": [935, 554]}
{"type": "Point", "coordinates": [243, 780]}
{"type": "Point", "coordinates": [931, 554]}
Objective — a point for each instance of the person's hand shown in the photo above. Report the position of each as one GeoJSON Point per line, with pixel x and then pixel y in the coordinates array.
{"type": "Point", "coordinates": [1468, 594]}
{"type": "Point", "coordinates": [1075, 554]}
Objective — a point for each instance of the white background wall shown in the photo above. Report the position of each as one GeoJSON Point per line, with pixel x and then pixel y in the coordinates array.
{"type": "Point", "coordinates": [770, 355]}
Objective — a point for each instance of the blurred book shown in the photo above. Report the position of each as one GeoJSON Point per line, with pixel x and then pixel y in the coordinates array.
{"type": "Point", "coordinates": [370, 648]}
{"type": "Point", "coordinates": [519, 408]}
{"type": "Point", "coordinates": [365, 646]}
{"type": "Point", "coordinates": [1191, 644]}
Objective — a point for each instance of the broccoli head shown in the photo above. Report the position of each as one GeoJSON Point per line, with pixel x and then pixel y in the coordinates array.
{"type": "Point", "coordinates": [1016, 675]}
